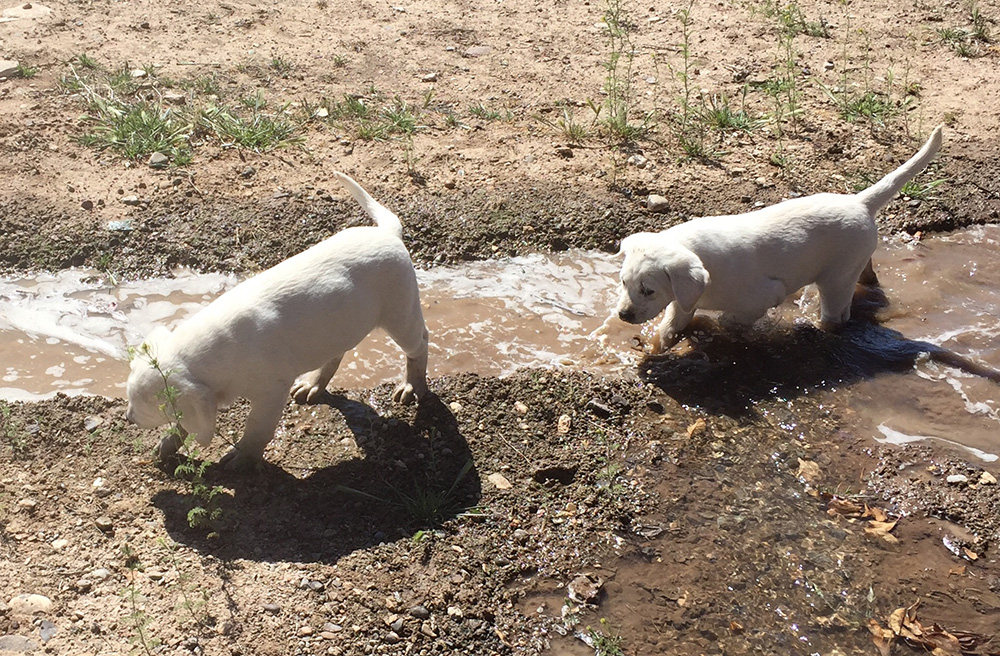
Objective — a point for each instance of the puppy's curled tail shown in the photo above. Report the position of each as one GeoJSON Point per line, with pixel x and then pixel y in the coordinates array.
{"type": "Point", "coordinates": [382, 216]}
{"type": "Point", "coordinates": [876, 196]}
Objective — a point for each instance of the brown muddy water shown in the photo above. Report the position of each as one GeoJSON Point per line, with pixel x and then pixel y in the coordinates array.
{"type": "Point", "coordinates": [69, 331]}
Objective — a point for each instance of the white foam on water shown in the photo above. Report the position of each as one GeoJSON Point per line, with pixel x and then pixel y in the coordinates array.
{"type": "Point", "coordinates": [891, 436]}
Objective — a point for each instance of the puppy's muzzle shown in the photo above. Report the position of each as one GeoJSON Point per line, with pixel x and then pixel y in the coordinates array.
{"type": "Point", "coordinates": [628, 316]}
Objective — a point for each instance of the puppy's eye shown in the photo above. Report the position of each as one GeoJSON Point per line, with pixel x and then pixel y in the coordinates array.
{"type": "Point", "coordinates": [645, 291]}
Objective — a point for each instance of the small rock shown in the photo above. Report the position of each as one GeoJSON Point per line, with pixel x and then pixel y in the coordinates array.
{"type": "Point", "coordinates": [60, 544]}
{"type": "Point", "coordinates": [455, 407]}
{"type": "Point", "coordinates": [130, 200]}
{"type": "Point", "coordinates": [521, 535]}
{"type": "Point", "coordinates": [564, 424]}
{"type": "Point", "coordinates": [809, 472]}
{"type": "Point", "coordinates": [92, 422]}
{"type": "Point", "coordinates": [987, 478]}
{"type": "Point", "coordinates": [419, 612]}
{"type": "Point", "coordinates": [330, 627]}
{"type": "Point", "coordinates": [120, 226]}
{"type": "Point", "coordinates": [957, 479]}
{"type": "Point", "coordinates": [27, 505]}
{"type": "Point", "coordinates": [248, 172]}
{"type": "Point", "coordinates": [828, 65]}
{"type": "Point", "coordinates": [305, 631]}
{"type": "Point", "coordinates": [430, 77]}
{"type": "Point", "coordinates": [87, 205]}
{"type": "Point", "coordinates": [477, 51]}
{"type": "Point", "coordinates": [83, 585]}
{"type": "Point", "coordinates": [272, 608]}
{"type": "Point", "coordinates": [16, 644]}
{"type": "Point", "coordinates": [8, 67]}
{"type": "Point", "coordinates": [392, 637]}
{"type": "Point", "coordinates": [137, 73]}
{"type": "Point", "coordinates": [655, 203]}
{"type": "Point", "coordinates": [104, 524]}
{"type": "Point", "coordinates": [598, 409]}
{"type": "Point", "coordinates": [499, 481]}
{"type": "Point", "coordinates": [585, 588]}
{"type": "Point", "coordinates": [158, 160]}
{"type": "Point", "coordinates": [48, 630]}
{"type": "Point", "coordinates": [521, 408]}
{"type": "Point", "coordinates": [100, 574]}
{"type": "Point", "coordinates": [174, 98]}
{"type": "Point", "coordinates": [397, 625]}
{"type": "Point", "coordinates": [637, 161]}
{"type": "Point", "coordinates": [29, 604]}
{"type": "Point", "coordinates": [428, 630]}
{"type": "Point", "coordinates": [564, 152]}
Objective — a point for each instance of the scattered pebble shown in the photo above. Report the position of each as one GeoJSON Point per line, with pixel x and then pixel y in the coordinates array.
{"type": "Point", "coordinates": [28, 505]}
{"type": "Point", "coordinates": [174, 98]}
{"type": "Point", "coordinates": [119, 226]}
{"type": "Point", "coordinates": [564, 424]}
{"type": "Point", "coordinates": [585, 588]}
{"type": "Point", "coordinates": [655, 203]}
{"type": "Point", "coordinates": [598, 409]}
{"type": "Point", "coordinates": [987, 478]}
{"type": "Point", "coordinates": [272, 608]}
{"type": "Point", "coordinates": [48, 630]}
{"type": "Point", "coordinates": [521, 408]}
{"type": "Point", "coordinates": [60, 544]}
{"type": "Point", "coordinates": [499, 481]}
{"type": "Point", "coordinates": [477, 51]}
{"type": "Point", "coordinates": [158, 160]}
{"type": "Point", "coordinates": [419, 612]}
{"type": "Point", "coordinates": [8, 67]}
{"type": "Point", "coordinates": [957, 479]}
{"type": "Point", "coordinates": [130, 200]}
{"type": "Point", "coordinates": [104, 524]}
{"type": "Point", "coordinates": [392, 637]}
{"type": "Point", "coordinates": [430, 77]}
{"type": "Point", "coordinates": [637, 161]}
{"type": "Point", "coordinates": [87, 205]}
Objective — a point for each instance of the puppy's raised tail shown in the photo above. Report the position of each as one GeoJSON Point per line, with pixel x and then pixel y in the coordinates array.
{"type": "Point", "coordinates": [879, 194]}
{"type": "Point", "coordinates": [382, 216]}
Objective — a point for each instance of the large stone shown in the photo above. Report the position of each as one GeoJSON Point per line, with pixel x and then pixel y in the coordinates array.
{"type": "Point", "coordinates": [29, 604]}
{"type": "Point", "coordinates": [16, 643]}
{"type": "Point", "coordinates": [8, 67]}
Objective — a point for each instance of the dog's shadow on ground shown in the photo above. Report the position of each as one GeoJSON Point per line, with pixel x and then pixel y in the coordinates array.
{"type": "Point", "coordinates": [415, 473]}
{"type": "Point", "coordinates": [730, 372]}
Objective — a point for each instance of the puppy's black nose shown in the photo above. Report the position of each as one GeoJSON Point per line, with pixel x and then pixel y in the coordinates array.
{"type": "Point", "coordinates": [626, 315]}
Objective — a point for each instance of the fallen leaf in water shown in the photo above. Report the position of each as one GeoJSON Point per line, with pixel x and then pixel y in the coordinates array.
{"type": "Point", "coordinates": [883, 638]}
{"type": "Point", "coordinates": [957, 571]}
{"type": "Point", "coordinates": [845, 507]}
{"type": "Point", "coordinates": [875, 513]}
{"type": "Point", "coordinates": [903, 623]}
{"type": "Point", "coordinates": [809, 472]}
{"type": "Point", "coordinates": [697, 427]}
{"type": "Point", "coordinates": [881, 530]}
{"type": "Point", "coordinates": [970, 554]}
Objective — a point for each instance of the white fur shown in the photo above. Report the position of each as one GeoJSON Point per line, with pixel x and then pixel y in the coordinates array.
{"type": "Point", "coordinates": [745, 264]}
{"type": "Point", "coordinates": [274, 330]}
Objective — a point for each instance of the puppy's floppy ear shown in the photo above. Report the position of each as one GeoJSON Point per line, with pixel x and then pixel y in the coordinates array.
{"type": "Point", "coordinates": [688, 278]}
{"type": "Point", "coordinates": [632, 242]}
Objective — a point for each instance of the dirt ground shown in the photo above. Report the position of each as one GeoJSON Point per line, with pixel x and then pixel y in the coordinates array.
{"type": "Point", "coordinates": [719, 501]}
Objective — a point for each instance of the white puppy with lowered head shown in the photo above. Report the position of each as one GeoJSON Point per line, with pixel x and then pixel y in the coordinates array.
{"type": "Point", "coordinates": [285, 328]}
{"type": "Point", "coordinates": [748, 263]}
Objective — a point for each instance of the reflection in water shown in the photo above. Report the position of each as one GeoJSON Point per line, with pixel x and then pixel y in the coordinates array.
{"type": "Point", "coordinates": [69, 332]}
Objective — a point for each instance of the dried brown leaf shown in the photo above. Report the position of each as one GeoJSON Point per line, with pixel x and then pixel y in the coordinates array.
{"type": "Point", "coordinates": [846, 507]}
{"type": "Point", "coordinates": [697, 427]}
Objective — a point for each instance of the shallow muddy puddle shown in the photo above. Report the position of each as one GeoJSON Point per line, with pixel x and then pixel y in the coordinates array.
{"type": "Point", "coordinates": [69, 331]}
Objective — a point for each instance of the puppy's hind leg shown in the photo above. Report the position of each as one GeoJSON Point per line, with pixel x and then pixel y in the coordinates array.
{"type": "Point", "coordinates": [310, 387]}
{"type": "Point", "coordinates": [410, 333]}
{"type": "Point", "coordinates": [265, 412]}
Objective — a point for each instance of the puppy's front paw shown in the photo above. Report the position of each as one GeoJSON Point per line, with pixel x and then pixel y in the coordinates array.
{"type": "Point", "coordinates": [168, 447]}
{"type": "Point", "coordinates": [306, 391]}
{"type": "Point", "coordinates": [406, 393]}
{"type": "Point", "coordinates": [239, 461]}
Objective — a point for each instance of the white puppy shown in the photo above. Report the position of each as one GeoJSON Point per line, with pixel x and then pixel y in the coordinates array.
{"type": "Point", "coordinates": [745, 264]}
{"type": "Point", "coordinates": [254, 340]}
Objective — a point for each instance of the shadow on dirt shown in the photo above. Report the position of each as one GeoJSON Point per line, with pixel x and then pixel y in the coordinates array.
{"type": "Point", "coordinates": [729, 373]}
{"type": "Point", "coordinates": [413, 476]}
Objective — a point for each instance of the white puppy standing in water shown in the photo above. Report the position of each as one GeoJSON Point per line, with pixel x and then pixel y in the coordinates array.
{"type": "Point", "coordinates": [748, 263]}
{"type": "Point", "coordinates": [257, 340]}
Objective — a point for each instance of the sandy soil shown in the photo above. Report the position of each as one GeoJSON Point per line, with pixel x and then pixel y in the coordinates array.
{"type": "Point", "coordinates": [719, 501]}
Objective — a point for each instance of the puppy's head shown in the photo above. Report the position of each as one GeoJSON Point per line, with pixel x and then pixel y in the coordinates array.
{"type": "Point", "coordinates": [148, 382]}
{"type": "Point", "coordinates": [655, 273]}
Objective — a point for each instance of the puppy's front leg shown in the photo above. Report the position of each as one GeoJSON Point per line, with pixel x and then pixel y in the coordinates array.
{"type": "Point", "coordinates": [311, 386]}
{"type": "Point", "coordinates": [265, 412]}
{"type": "Point", "coordinates": [668, 332]}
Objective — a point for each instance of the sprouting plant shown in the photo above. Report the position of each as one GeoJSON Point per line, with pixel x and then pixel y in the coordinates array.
{"type": "Point", "coordinates": [572, 131]}
{"type": "Point", "coordinates": [480, 110]}
{"type": "Point", "coordinates": [194, 598]}
{"type": "Point", "coordinates": [921, 190]}
{"type": "Point", "coordinates": [25, 71]}
{"type": "Point", "coordinates": [281, 66]}
{"type": "Point", "coordinates": [138, 617]}
{"type": "Point", "coordinates": [619, 101]}
{"type": "Point", "coordinates": [12, 431]}
{"type": "Point", "coordinates": [605, 642]}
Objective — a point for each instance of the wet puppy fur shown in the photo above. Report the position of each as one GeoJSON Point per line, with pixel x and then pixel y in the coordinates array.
{"type": "Point", "coordinates": [286, 328]}
{"type": "Point", "coordinates": [748, 263]}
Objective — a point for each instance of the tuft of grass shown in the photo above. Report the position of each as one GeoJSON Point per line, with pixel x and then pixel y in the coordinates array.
{"type": "Point", "coordinates": [567, 125]}
{"type": "Point", "coordinates": [921, 190]}
{"type": "Point", "coordinates": [281, 66]}
{"type": "Point", "coordinates": [259, 131]}
{"type": "Point", "coordinates": [86, 61]}
{"type": "Point", "coordinates": [136, 129]}
{"type": "Point", "coordinates": [619, 118]}
{"type": "Point", "coordinates": [482, 111]}
{"type": "Point", "coordinates": [968, 42]}
{"type": "Point", "coordinates": [720, 115]}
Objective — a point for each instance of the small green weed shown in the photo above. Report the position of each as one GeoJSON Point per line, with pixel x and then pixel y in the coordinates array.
{"type": "Point", "coordinates": [968, 42]}
{"type": "Point", "coordinates": [86, 61]}
{"type": "Point", "coordinates": [138, 618]}
{"type": "Point", "coordinates": [605, 642]}
{"type": "Point", "coordinates": [283, 67]}
{"type": "Point", "coordinates": [13, 431]}
{"type": "Point", "coordinates": [25, 71]}
{"type": "Point", "coordinates": [921, 190]}
{"type": "Point", "coordinates": [619, 101]}
{"type": "Point", "coordinates": [480, 110]}
{"type": "Point", "coordinates": [572, 131]}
